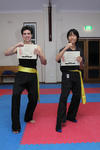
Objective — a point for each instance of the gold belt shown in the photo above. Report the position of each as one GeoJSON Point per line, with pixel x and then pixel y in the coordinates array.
{"type": "Point", "coordinates": [83, 96]}
{"type": "Point", "coordinates": [30, 70]}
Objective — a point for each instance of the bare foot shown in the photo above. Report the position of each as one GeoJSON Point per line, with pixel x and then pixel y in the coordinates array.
{"type": "Point", "coordinates": [32, 121]}
{"type": "Point", "coordinates": [15, 132]}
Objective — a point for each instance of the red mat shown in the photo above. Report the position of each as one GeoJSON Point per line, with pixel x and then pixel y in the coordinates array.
{"type": "Point", "coordinates": [5, 92]}
{"type": "Point", "coordinates": [87, 129]}
{"type": "Point", "coordinates": [49, 91]}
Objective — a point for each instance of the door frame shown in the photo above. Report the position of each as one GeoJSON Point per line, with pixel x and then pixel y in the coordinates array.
{"type": "Point", "coordinates": [86, 66]}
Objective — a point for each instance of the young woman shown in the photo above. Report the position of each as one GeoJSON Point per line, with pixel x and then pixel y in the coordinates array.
{"type": "Point", "coordinates": [70, 79]}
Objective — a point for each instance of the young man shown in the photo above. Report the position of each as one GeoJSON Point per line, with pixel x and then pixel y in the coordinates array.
{"type": "Point", "coordinates": [70, 79]}
{"type": "Point", "coordinates": [26, 77]}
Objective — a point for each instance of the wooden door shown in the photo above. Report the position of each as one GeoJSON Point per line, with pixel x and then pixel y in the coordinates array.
{"type": "Point", "coordinates": [91, 50]}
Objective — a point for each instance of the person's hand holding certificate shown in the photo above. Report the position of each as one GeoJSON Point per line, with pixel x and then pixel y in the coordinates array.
{"type": "Point", "coordinates": [26, 52]}
{"type": "Point", "coordinates": [70, 58]}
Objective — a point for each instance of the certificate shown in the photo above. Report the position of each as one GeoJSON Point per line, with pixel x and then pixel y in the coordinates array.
{"type": "Point", "coordinates": [69, 58]}
{"type": "Point", "coordinates": [26, 52]}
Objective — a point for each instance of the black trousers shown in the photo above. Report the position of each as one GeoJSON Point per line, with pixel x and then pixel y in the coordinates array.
{"type": "Point", "coordinates": [70, 82]}
{"type": "Point", "coordinates": [23, 81]}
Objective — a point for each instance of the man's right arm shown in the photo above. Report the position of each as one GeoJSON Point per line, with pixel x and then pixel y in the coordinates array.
{"type": "Point", "coordinates": [13, 50]}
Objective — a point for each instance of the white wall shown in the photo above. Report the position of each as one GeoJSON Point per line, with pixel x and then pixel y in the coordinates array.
{"type": "Point", "coordinates": [11, 23]}
{"type": "Point", "coordinates": [67, 20]}
{"type": "Point", "coordinates": [10, 26]}
{"type": "Point", "coordinates": [50, 47]}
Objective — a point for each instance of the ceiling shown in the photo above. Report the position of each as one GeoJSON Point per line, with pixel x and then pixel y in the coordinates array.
{"type": "Point", "coordinates": [33, 5]}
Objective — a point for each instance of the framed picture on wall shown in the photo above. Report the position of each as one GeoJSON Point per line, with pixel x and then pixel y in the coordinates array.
{"type": "Point", "coordinates": [34, 27]}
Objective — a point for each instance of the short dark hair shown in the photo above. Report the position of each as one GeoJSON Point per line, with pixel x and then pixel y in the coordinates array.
{"type": "Point", "coordinates": [27, 27]}
{"type": "Point", "coordinates": [74, 31]}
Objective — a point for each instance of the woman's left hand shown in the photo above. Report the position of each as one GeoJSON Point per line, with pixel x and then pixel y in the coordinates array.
{"type": "Point", "coordinates": [79, 59]}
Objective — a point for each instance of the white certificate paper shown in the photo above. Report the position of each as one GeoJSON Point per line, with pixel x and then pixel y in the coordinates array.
{"type": "Point", "coordinates": [69, 58]}
{"type": "Point", "coordinates": [26, 52]}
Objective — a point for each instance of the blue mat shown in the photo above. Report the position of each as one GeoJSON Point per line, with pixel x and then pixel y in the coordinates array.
{"type": "Point", "coordinates": [72, 146]}
{"type": "Point", "coordinates": [10, 141]}
{"type": "Point", "coordinates": [54, 98]}
{"type": "Point", "coordinates": [47, 86]}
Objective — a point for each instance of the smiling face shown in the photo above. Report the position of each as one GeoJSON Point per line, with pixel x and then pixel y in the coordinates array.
{"type": "Point", "coordinates": [27, 36]}
{"type": "Point", "coordinates": [72, 38]}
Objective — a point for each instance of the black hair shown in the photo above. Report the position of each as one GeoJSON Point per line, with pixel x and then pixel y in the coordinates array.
{"type": "Point", "coordinates": [27, 27]}
{"type": "Point", "coordinates": [74, 31]}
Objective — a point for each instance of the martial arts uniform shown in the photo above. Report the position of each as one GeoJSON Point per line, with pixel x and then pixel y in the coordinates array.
{"type": "Point", "coordinates": [28, 81]}
{"type": "Point", "coordinates": [70, 82]}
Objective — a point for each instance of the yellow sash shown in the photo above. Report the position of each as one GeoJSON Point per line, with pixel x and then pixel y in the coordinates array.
{"type": "Point", "coordinates": [82, 87]}
{"type": "Point", "coordinates": [30, 70]}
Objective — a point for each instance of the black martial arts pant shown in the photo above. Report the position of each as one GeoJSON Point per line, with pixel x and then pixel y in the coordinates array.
{"type": "Point", "coordinates": [70, 82]}
{"type": "Point", "coordinates": [23, 81]}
